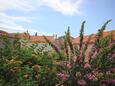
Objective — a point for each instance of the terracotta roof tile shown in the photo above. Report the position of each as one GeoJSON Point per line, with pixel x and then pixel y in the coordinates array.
{"type": "Point", "coordinates": [3, 32]}
{"type": "Point", "coordinates": [76, 40]}
{"type": "Point", "coordinates": [19, 35]}
{"type": "Point", "coordinates": [40, 38]}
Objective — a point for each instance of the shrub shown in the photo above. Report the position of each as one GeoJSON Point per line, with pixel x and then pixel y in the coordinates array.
{"type": "Point", "coordinates": [22, 65]}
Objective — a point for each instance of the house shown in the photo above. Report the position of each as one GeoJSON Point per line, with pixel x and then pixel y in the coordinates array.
{"type": "Point", "coordinates": [3, 32]}
{"type": "Point", "coordinates": [92, 41]}
{"type": "Point", "coordinates": [93, 37]}
{"type": "Point", "coordinates": [41, 42]}
{"type": "Point", "coordinates": [59, 42]}
{"type": "Point", "coordinates": [40, 39]}
{"type": "Point", "coordinates": [19, 35]}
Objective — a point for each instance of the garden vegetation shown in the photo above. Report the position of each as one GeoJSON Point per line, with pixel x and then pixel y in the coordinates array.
{"type": "Point", "coordinates": [24, 65]}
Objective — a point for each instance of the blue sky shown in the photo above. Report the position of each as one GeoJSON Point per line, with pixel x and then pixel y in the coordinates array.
{"type": "Point", "coordinates": [54, 16]}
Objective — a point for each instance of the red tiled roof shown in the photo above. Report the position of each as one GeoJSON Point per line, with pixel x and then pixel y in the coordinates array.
{"type": "Point", "coordinates": [3, 32]}
{"type": "Point", "coordinates": [19, 35]}
{"type": "Point", "coordinates": [51, 38]}
{"type": "Point", "coordinates": [85, 38]}
{"type": "Point", "coordinates": [40, 38]}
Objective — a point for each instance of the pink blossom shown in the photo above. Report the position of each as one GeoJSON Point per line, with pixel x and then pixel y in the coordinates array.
{"type": "Point", "coordinates": [90, 76]}
{"type": "Point", "coordinates": [63, 76]}
{"type": "Point", "coordinates": [107, 82]}
{"type": "Point", "coordinates": [81, 82]}
{"type": "Point", "coordinates": [95, 72]}
{"type": "Point", "coordinates": [94, 55]}
{"type": "Point", "coordinates": [67, 63]}
{"type": "Point", "coordinates": [87, 55]}
{"type": "Point", "coordinates": [113, 55]}
{"type": "Point", "coordinates": [74, 58]}
{"type": "Point", "coordinates": [111, 44]}
{"type": "Point", "coordinates": [113, 70]}
{"type": "Point", "coordinates": [113, 81]}
{"type": "Point", "coordinates": [63, 63]}
{"type": "Point", "coordinates": [64, 51]}
{"type": "Point", "coordinates": [87, 65]}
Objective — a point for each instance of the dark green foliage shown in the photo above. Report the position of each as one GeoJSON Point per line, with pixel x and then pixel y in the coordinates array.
{"type": "Point", "coordinates": [23, 65]}
{"type": "Point", "coordinates": [54, 47]}
{"type": "Point", "coordinates": [67, 35]}
{"type": "Point", "coordinates": [65, 46]}
{"type": "Point", "coordinates": [100, 33]}
{"type": "Point", "coordinates": [87, 43]}
{"type": "Point", "coordinates": [81, 34]}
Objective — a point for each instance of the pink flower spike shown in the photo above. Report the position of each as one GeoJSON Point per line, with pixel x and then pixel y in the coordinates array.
{"type": "Point", "coordinates": [63, 76]}
{"type": "Point", "coordinates": [81, 82]}
{"type": "Point", "coordinates": [87, 65]}
{"type": "Point", "coordinates": [74, 58]}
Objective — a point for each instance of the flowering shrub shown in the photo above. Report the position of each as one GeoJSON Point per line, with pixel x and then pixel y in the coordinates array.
{"type": "Point", "coordinates": [97, 70]}
{"type": "Point", "coordinates": [22, 65]}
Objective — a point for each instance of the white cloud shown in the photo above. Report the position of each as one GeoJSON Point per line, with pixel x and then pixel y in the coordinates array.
{"type": "Point", "coordinates": [25, 5]}
{"type": "Point", "coordinates": [66, 7]}
{"type": "Point", "coordinates": [15, 18]}
{"type": "Point", "coordinates": [9, 23]}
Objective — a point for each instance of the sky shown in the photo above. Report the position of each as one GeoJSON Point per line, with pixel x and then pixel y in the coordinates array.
{"type": "Point", "coordinates": [51, 17]}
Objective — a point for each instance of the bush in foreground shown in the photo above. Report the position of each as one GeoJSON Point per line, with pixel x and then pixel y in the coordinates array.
{"type": "Point", "coordinates": [25, 66]}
